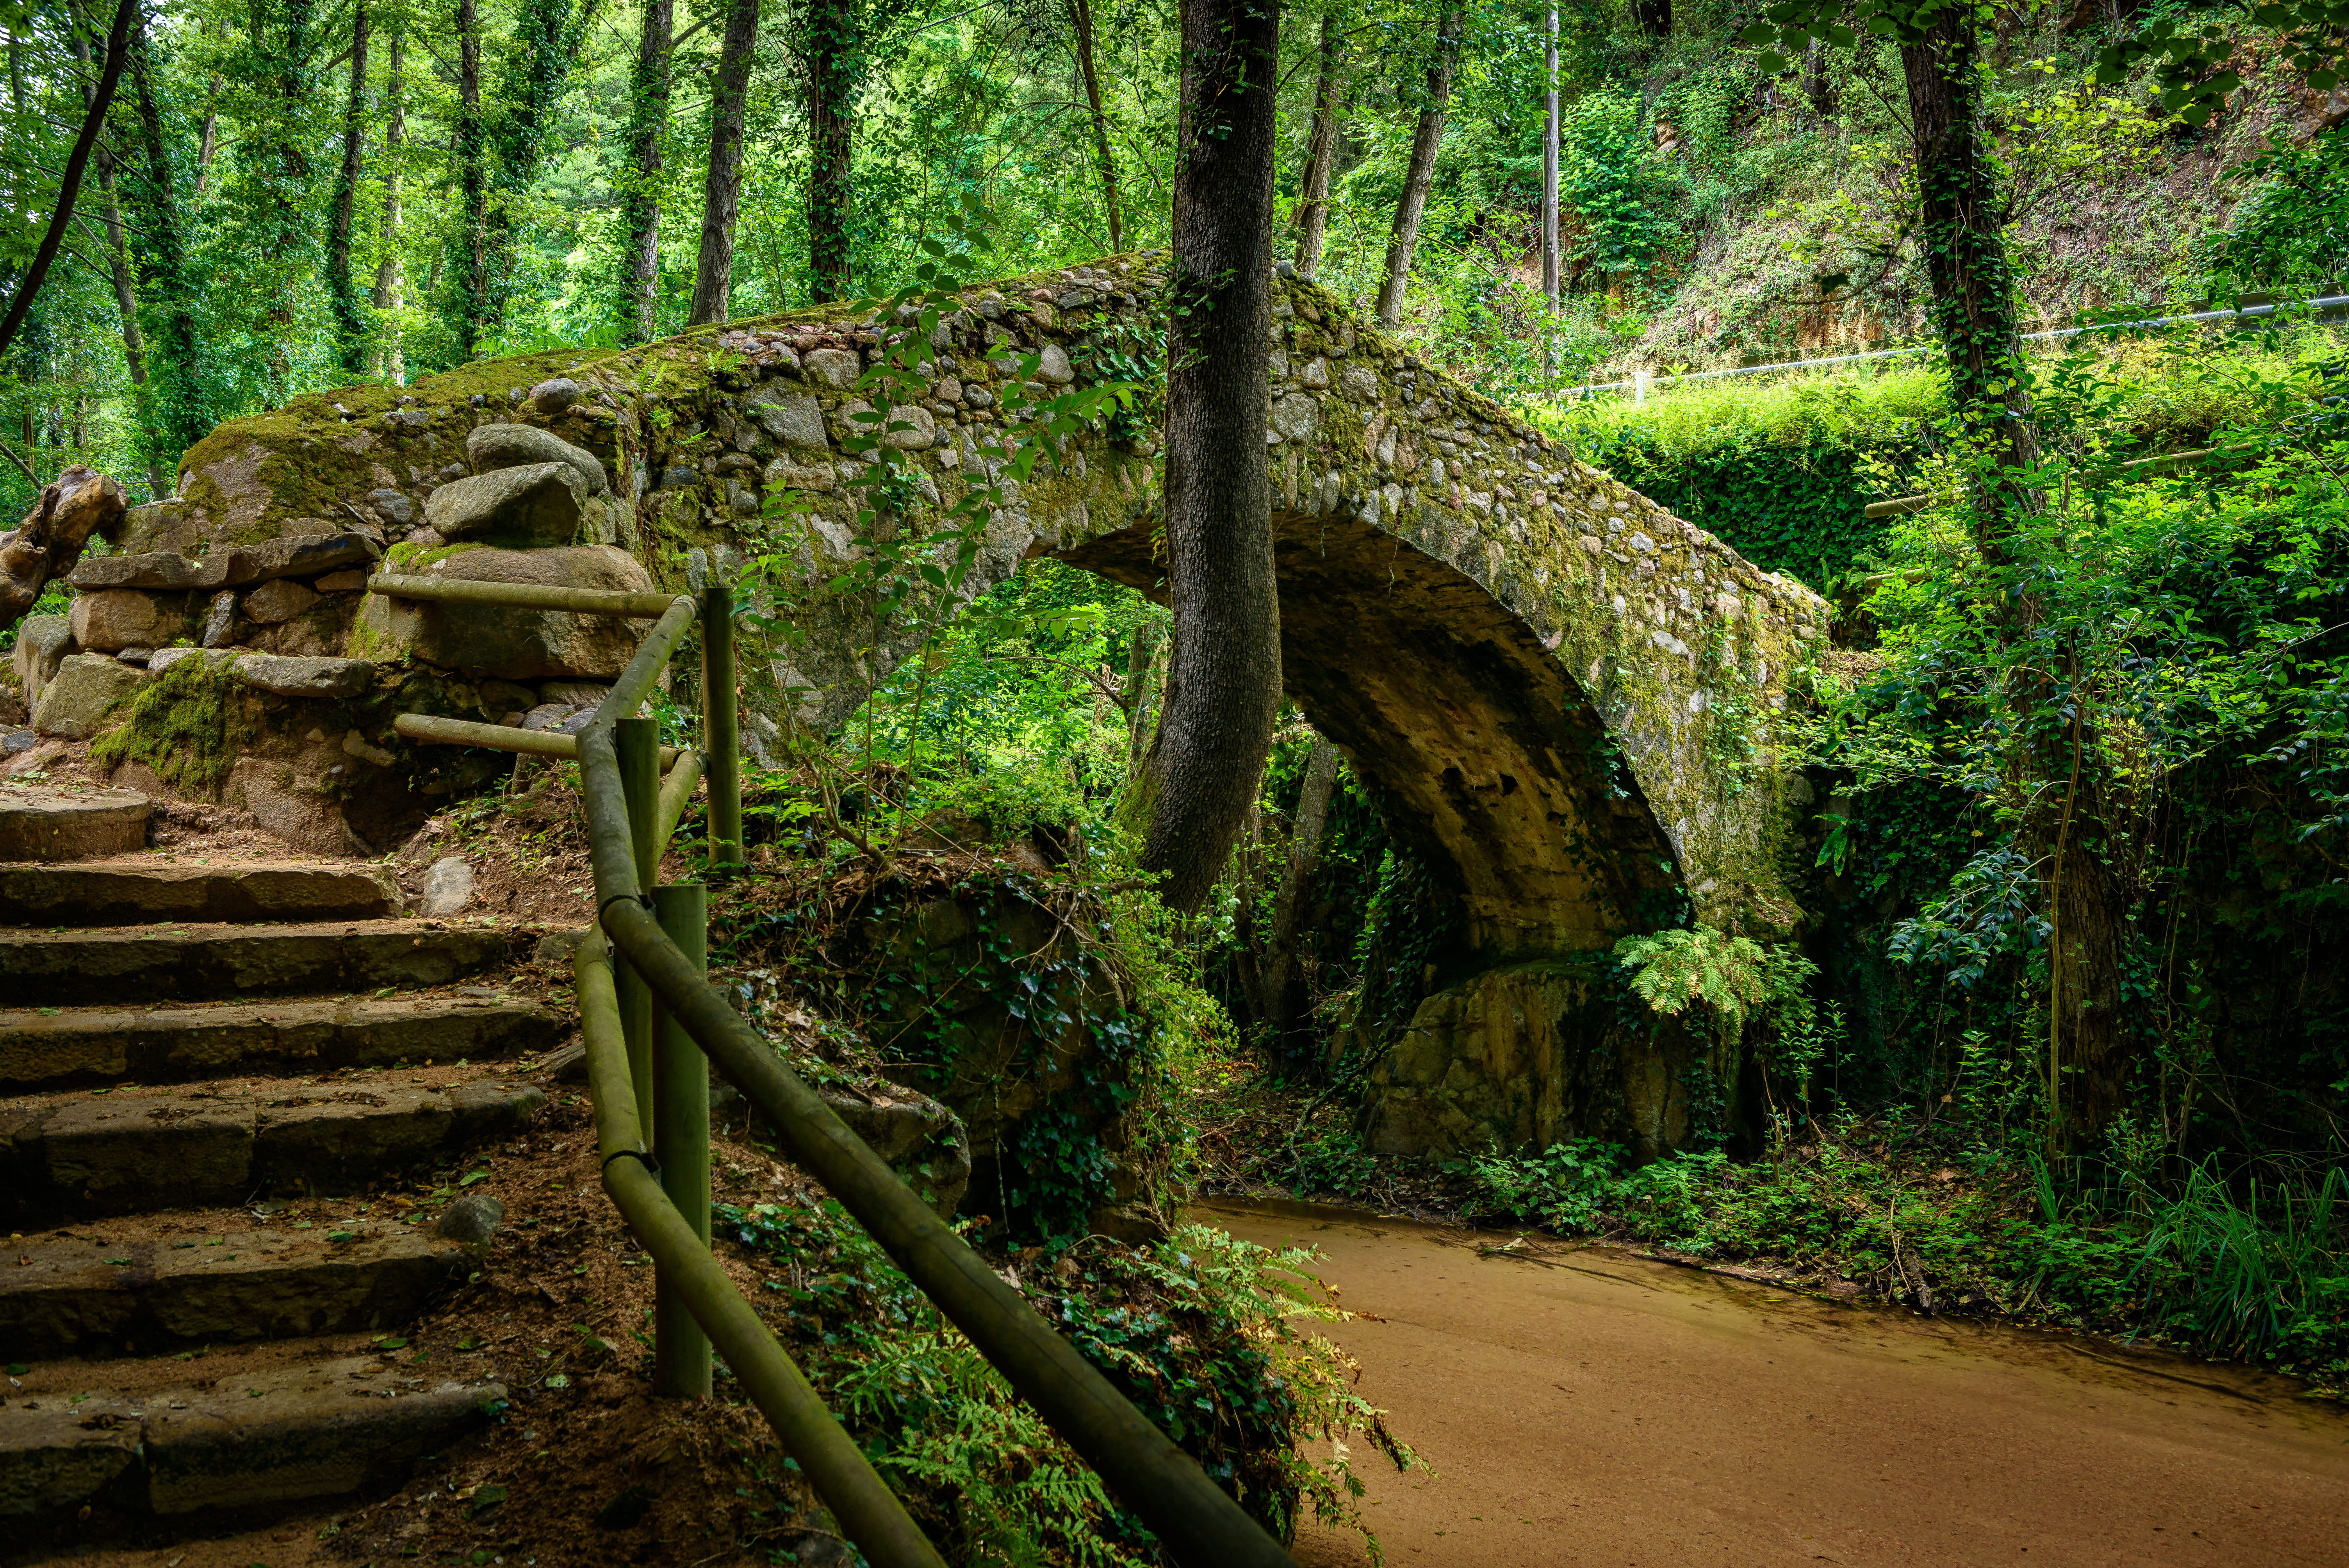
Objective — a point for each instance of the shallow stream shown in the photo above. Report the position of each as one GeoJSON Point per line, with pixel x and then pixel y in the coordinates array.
{"type": "Point", "coordinates": [1584, 1406]}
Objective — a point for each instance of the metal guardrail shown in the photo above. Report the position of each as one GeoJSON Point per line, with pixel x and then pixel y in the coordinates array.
{"type": "Point", "coordinates": [653, 1024]}
{"type": "Point", "coordinates": [2331, 308]}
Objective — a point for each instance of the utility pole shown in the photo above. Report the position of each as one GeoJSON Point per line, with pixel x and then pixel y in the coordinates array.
{"type": "Point", "coordinates": [1549, 196]}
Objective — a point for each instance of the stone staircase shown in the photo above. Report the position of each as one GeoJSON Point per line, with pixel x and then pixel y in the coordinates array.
{"type": "Point", "coordinates": [192, 1055]}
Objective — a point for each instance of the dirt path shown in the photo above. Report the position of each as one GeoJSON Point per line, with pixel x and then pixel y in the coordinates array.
{"type": "Point", "coordinates": [1584, 1406]}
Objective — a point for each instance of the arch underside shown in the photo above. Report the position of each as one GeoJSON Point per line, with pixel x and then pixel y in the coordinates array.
{"type": "Point", "coordinates": [1490, 762]}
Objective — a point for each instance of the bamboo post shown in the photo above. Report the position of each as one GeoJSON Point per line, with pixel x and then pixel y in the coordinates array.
{"type": "Point", "coordinates": [721, 724]}
{"type": "Point", "coordinates": [681, 1145]}
{"type": "Point", "coordinates": [637, 744]}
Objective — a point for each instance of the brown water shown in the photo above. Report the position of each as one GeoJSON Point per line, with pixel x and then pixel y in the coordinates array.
{"type": "Point", "coordinates": [1584, 1406]}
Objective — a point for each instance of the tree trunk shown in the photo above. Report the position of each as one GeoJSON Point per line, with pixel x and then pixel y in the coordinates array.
{"type": "Point", "coordinates": [1313, 209]}
{"type": "Point", "coordinates": [1426, 140]}
{"type": "Point", "coordinates": [175, 363]}
{"type": "Point", "coordinates": [1279, 960]}
{"type": "Point", "coordinates": [350, 324]}
{"type": "Point", "coordinates": [1223, 679]}
{"type": "Point", "coordinates": [832, 48]}
{"type": "Point", "coordinates": [1815, 84]}
{"type": "Point", "coordinates": [2068, 826]}
{"type": "Point", "coordinates": [640, 197]}
{"type": "Point", "coordinates": [1653, 17]}
{"type": "Point", "coordinates": [389, 361]}
{"type": "Point", "coordinates": [472, 279]}
{"type": "Point", "coordinates": [208, 143]}
{"type": "Point", "coordinates": [134, 342]}
{"type": "Point", "coordinates": [721, 191]}
{"type": "Point", "coordinates": [1080, 22]}
{"type": "Point", "coordinates": [79, 504]}
{"type": "Point", "coordinates": [1550, 188]}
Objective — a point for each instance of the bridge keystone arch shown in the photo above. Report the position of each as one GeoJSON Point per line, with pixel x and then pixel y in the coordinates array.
{"type": "Point", "coordinates": [1567, 697]}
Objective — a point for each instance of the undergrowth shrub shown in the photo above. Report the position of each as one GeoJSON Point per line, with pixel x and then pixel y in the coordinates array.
{"type": "Point", "coordinates": [1200, 1332]}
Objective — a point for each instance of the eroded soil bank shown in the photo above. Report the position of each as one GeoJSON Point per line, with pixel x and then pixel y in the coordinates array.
{"type": "Point", "coordinates": [1581, 1406]}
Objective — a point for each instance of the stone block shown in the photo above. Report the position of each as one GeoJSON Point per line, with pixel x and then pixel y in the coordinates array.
{"type": "Point", "coordinates": [277, 600]}
{"type": "Point", "coordinates": [508, 643]}
{"type": "Point", "coordinates": [491, 448]}
{"type": "Point", "coordinates": [315, 678]}
{"type": "Point", "coordinates": [793, 419]}
{"type": "Point", "coordinates": [73, 705]}
{"type": "Point", "coordinates": [77, 824]}
{"type": "Point", "coordinates": [60, 1456]}
{"type": "Point", "coordinates": [535, 505]}
{"type": "Point", "coordinates": [288, 555]}
{"type": "Point", "coordinates": [114, 618]}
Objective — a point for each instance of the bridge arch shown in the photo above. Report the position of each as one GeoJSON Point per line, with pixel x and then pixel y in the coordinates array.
{"type": "Point", "coordinates": [1567, 697]}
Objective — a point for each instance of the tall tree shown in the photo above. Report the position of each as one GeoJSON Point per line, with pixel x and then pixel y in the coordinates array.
{"type": "Point", "coordinates": [831, 45]}
{"type": "Point", "coordinates": [1081, 26]}
{"type": "Point", "coordinates": [1223, 680]}
{"type": "Point", "coordinates": [182, 400]}
{"type": "Point", "coordinates": [469, 279]}
{"type": "Point", "coordinates": [648, 88]}
{"type": "Point", "coordinates": [1320, 153]}
{"type": "Point", "coordinates": [1419, 176]}
{"type": "Point", "coordinates": [390, 359]}
{"type": "Point", "coordinates": [350, 322]}
{"type": "Point", "coordinates": [721, 190]}
{"type": "Point", "coordinates": [1550, 181]}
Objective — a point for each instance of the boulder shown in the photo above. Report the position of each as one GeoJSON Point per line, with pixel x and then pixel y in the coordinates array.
{"type": "Point", "coordinates": [42, 643]}
{"type": "Point", "coordinates": [164, 658]}
{"type": "Point", "coordinates": [537, 504]}
{"type": "Point", "coordinates": [491, 448]}
{"type": "Point", "coordinates": [317, 677]}
{"type": "Point", "coordinates": [73, 705]}
{"type": "Point", "coordinates": [219, 620]}
{"type": "Point", "coordinates": [833, 367]}
{"type": "Point", "coordinates": [555, 396]}
{"type": "Point", "coordinates": [511, 644]}
{"type": "Point", "coordinates": [115, 618]}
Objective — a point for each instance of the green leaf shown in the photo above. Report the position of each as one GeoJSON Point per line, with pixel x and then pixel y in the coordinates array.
{"type": "Point", "coordinates": [475, 1176]}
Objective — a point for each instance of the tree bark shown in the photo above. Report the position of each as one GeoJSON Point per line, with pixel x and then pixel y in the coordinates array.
{"type": "Point", "coordinates": [118, 40]}
{"type": "Point", "coordinates": [1419, 178]}
{"type": "Point", "coordinates": [640, 197]}
{"type": "Point", "coordinates": [1313, 209]}
{"type": "Point", "coordinates": [721, 191]}
{"type": "Point", "coordinates": [1081, 23]}
{"type": "Point", "coordinates": [832, 50]}
{"type": "Point", "coordinates": [391, 360]}
{"type": "Point", "coordinates": [1223, 679]}
{"type": "Point", "coordinates": [79, 504]}
{"type": "Point", "coordinates": [350, 324]}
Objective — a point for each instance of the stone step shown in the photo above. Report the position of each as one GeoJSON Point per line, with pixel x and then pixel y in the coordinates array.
{"type": "Point", "coordinates": [131, 892]}
{"type": "Point", "coordinates": [143, 1149]}
{"type": "Point", "coordinates": [158, 963]}
{"type": "Point", "coordinates": [166, 1043]}
{"type": "Point", "coordinates": [323, 1428]}
{"type": "Point", "coordinates": [84, 1294]}
{"type": "Point", "coordinates": [70, 822]}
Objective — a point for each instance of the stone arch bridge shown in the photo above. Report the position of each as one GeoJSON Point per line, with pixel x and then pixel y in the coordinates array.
{"type": "Point", "coordinates": [1566, 696]}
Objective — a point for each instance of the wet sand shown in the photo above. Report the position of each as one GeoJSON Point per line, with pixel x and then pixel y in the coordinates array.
{"type": "Point", "coordinates": [1581, 1406]}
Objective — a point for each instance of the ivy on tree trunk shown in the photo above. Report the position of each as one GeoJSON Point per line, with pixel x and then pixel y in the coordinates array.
{"type": "Point", "coordinates": [1223, 678]}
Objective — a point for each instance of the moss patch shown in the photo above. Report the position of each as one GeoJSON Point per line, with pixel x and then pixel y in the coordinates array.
{"type": "Point", "coordinates": [189, 725]}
